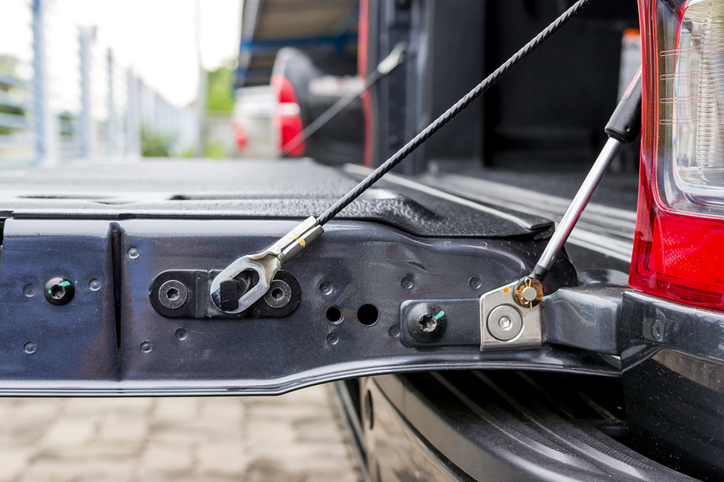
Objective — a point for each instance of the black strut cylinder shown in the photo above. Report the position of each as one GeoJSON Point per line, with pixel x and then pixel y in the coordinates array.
{"type": "Point", "coordinates": [625, 123]}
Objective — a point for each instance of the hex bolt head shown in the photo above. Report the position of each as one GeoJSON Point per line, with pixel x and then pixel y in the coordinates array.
{"type": "Point", "coordinates": [279, 294]}
{"type": "Point", "coordinates": [505, 322]}
{"type": "Point", "coordinates": [426, 322]}
{"type": "Point", "coordinates": [173, 294]}
{"type": "Point", "coordinates": [59, 291]}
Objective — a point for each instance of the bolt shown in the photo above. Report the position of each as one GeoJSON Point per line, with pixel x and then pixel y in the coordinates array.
{"type": "Point", "coordinates": [528, 292]}
{"type": "Point", "coordinates": [94, 285]}
{"type": "Point", "coordinates": [29, 290]}
{"type": "Point", "coordinates": [146, 347]}
{"type": "Point", "coordinates": [279, 294]}
{"type": "Point", "coordinates": [426, 322]}
{"type": "Point", "coordinates": [172, 294]}
{"type": "Point", "coordinates": [505, 323]}
{"type": "Point", "coordinates": [133, 253]}
{"type": "Point", "coordinates": [657, 330]}
{"type": "Point", "coordinates": [30, 348]}
{"type": "Point", "coordinates": [59, 291]}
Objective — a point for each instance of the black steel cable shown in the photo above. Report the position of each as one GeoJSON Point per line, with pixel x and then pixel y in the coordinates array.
{"type": "Point", "coordinates": [450, 113]}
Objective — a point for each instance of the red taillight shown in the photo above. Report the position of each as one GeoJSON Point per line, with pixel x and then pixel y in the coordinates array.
{"type": "Point", "coordinates": [283, 89]}
{"type": "Point", "coordinates": [240, 136]}
{"type": "Point", "coordinates": [287, 118]}
{"type": "Point", "coordinates": [679, 245]}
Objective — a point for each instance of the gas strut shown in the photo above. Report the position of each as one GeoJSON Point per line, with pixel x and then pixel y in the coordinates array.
{"type": "Point", "coordinates": [510, 314]}
{"type": "Point", "coordinates": [388, 64]}
{"type": "Point", "coordinates": [224, 289]}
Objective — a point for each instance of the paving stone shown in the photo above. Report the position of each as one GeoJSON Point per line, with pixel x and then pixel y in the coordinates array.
{"type": "Point", "coordinates": [166, 459]}
{"type": "Point", "coordinates": [64, 470]}
{"type": "Point", "coordinates": [178, 409]}
{"type": "Point", "coordinates": [221, 458]}
{"type": "Point", "coordinates": [66, 434]}
{"type": "Point", "coordinates": [123, 428]}
{"type": "Point", "coordinates": [103, 406]}
{"type": "Point", "coordinates": [289, 438]}
{"type": "Point", "coordinates": [13, 461]}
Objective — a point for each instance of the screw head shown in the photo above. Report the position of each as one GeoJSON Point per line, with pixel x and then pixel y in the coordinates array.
{"type": "Point", "coordinates": [59, 291]}
{"type": "Point", "coordinates": [475, 283]}
{"type": "Point", "coordinates": [172, 294]}
{"type": "Point", "coordinates": [30, 348]}
{"type": "Point", "coordinates": [657, 330]}
{"type": "Point", "coordinates": [146, 347]}
{"type": "Point", "coordinates": [279, 294]}
{"type": "Point", "coordinates": [133, 253]}
{"type": "Point", "coordinates": [408, 282]}
{"type": "Point", "coordinates": [426, 322]}
{"type": "Point", "coordinates": [505, 322]}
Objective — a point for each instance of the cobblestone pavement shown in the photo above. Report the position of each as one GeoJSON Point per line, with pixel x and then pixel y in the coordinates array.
{"type": "Point", "coordinates": [294, 437]}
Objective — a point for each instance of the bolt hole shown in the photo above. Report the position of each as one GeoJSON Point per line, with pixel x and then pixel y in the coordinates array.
{"type": "Point", "coordinates": [334, 314]}
{"type": "Point", "coordinates": [367, 314]}
{"type": "Point", "coordinates": [277, 294]}
{"type": "Point", "coordinates": [172, 294]}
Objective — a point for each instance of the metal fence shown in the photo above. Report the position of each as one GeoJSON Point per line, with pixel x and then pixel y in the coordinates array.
{"type": "Point", "coordinates": [53, 109]}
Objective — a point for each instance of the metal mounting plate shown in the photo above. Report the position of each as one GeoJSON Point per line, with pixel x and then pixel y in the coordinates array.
{"type": "Point", "coordinates": [499, 304]}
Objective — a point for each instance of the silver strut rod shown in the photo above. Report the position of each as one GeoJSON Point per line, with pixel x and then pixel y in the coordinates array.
{"type": "Point", "coordinates": [623, 128]}
{"type": "Point", "coordinates": [564, 228]}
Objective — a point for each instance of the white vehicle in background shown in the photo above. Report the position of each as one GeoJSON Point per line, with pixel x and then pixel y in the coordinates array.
{"type": "Point", "coordinates": [253, 121]}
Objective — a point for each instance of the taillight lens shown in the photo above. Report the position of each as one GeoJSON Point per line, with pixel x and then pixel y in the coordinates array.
{"type": "Point", "coordinates": [679, 248]}
{"type": "Point", "coordinates": [287, 118]}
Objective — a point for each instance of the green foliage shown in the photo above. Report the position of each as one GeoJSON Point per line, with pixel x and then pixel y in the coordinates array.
{"type": "Point", "coordinates": [154, 143]}
{"type": "Point", "coordinates": [214, 150]}
{"type": "Point", "coordinates": [219, 98]}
